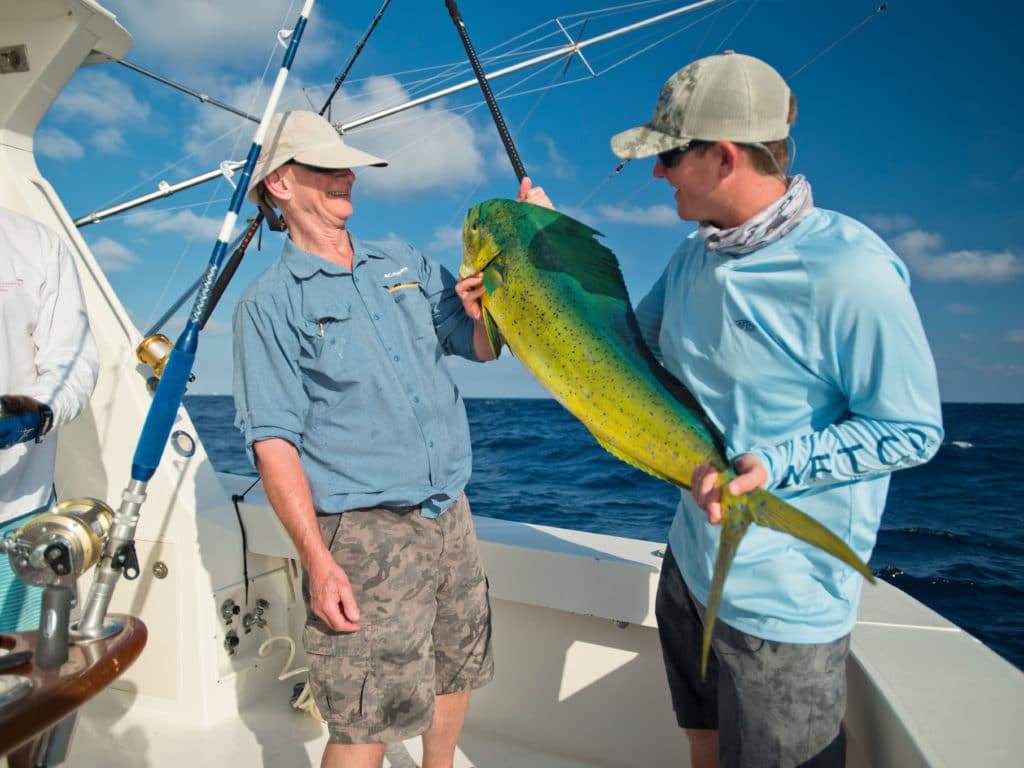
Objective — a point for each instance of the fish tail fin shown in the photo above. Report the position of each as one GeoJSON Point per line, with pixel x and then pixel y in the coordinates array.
{"type": "Point", "coordinates": [772, 512]}
{"type": "Point", "coordinates": [761, 507]}
{"type": "Point", "coordinates": [734, 526]}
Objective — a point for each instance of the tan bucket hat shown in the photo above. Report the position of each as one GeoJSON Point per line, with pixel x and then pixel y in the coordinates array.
{"type": "Point", "coordinates": [308, 138]}
{"type": "Point", "coordinates": [727, 97]}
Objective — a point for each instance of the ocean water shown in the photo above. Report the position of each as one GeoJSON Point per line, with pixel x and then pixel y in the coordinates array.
{"type": "Point", "coordinates": [952, 535]}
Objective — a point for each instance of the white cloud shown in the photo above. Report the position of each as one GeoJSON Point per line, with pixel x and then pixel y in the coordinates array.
{"type": "Point", "coordinates": [109, 140]}
{"type": "Point", "coordinates": [113, 256]}
{"type": "Point", "coordinates": [56, 144]}
{"type": "Point", "coordinates": [428, 148]}
{"type": "Point", "coordinates": [446, 240]}
{"type": "Point", "coordinates": [654, 216]}
{"type": "Point", "coordinates": [189, 36]}
{"type": "Point", "coordinates": [884, 223]}
{"type": "Point", "coordinates": [1016, 335]}
{"type": "Point", "coordinates": [926, 256]}
{"type": "Point", "coordinates": [559, 164]}
{"type": "Point", "coordinates": [185, 223]}
{"type": "Point", "coordinates": [100, 98]}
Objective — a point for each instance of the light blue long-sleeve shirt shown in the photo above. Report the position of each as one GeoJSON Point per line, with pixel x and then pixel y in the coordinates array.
{"type": "Point", "coordinates": [810, 354]}
{"type": "Point", "coordinates": [348, 367]}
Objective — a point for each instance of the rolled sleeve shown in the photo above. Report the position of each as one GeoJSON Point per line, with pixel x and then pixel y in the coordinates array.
{"type": "Point", "coordinates": [270, 401]}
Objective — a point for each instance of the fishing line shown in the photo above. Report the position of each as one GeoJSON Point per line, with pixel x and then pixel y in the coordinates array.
{"type": "Point", "coordinates": [840, 39]}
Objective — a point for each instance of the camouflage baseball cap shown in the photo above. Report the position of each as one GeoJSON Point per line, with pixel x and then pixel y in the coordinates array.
{"type": "Point", "coordinates": [728, 97]}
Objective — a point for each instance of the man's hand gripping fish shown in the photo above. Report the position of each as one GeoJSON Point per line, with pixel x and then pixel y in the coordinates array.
{"type": "Point", "coordinates": [556, 297]}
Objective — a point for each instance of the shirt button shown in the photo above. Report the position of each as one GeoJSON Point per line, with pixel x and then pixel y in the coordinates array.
{"type": "Point", "coordinates": [415, 399]}
{"type": "Point", "coordinates": [397, 358]}
{"type": "Point", "coordinates": [430, 444]}
{"type": "Point", "coordinates": [376, 316]}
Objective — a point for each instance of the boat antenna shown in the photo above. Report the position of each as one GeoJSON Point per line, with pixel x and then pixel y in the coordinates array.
{"type": "Point", "coordinates": [492, 104]}
{"type": "Point", "coordinates": [119, 554]}
{"type": "Point", "coordinates": [265, 211]}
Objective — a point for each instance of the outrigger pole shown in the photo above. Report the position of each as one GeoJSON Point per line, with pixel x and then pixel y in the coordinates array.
{"type": "Point", "coordinates": [119, 552]}
{"type": "Point", "coordinates": [567, 50]}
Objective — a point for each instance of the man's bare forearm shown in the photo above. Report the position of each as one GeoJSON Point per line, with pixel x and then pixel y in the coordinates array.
{"type": "Point", "coordinates": [287, 489]}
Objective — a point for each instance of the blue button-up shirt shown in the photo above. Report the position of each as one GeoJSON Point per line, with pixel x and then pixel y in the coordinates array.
{"type": "Point", "coordinates": [347, 366]}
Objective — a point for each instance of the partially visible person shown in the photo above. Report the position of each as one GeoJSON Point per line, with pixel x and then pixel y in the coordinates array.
{"type": "Point", "coordinates": [49, 370]}
{"type": "Point", "coordinates": [361, 439]}
{"type": "Point", "coordinates": [795, 328]}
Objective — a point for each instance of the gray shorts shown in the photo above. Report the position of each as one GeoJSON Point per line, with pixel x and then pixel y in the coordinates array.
{"type": "Point", "coordinates": [774, 704]}
{"type": "Point", "coordinates": [425, 624]}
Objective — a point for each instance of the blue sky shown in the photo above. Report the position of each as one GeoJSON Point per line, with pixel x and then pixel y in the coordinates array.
{"type": "Point", "coordinates": [909, 119]}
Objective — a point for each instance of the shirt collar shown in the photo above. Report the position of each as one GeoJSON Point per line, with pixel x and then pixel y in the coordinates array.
{"type": "Point", "coordinates": [304, 264]}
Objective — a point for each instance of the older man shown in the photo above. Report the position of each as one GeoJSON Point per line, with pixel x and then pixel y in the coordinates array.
{"type": "Point", "coordinates": [795, 329]}
{"type": "Point", "coordinates": [361, 438]}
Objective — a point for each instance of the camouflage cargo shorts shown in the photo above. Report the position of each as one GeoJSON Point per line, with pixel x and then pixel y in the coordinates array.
{"type": "Point", "coordinates": [425, 626]}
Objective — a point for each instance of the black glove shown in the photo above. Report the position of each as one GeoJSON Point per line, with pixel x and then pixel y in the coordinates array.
{"type": "Point", "coordinates": [23, 418]}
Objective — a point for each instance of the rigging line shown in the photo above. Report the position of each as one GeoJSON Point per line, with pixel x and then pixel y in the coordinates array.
{"type": "Point", "coordinates": [622, 164]}
{"type": "Point", "coordinates": [395, 109]}
{"type": "Point", "coordinates": [87, 220]}
{"type": "Point", "coordinates": [707, 32]}
{"type": "Point", "coordinates": [179, 87]}
{"type": "Point", "coordinates": [355, 55]}
{"type": "Point", "coordinates": [614, 10]}
{"type": "Point", "coordinates": [736, 25]}
{"type": "Point", "coordinates": [656, 43]}
{"type": "Point", "coordinates": [828, 48]}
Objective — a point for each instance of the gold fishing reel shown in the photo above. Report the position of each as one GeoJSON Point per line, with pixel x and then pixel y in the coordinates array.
{"type": "Point", "coordinates": [65, 542]}
{"type": "Point", "coordinates": [154, 351]}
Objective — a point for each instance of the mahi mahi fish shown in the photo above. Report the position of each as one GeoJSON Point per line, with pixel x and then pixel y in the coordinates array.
{"type": "Point", "coordinates": [556, 297]}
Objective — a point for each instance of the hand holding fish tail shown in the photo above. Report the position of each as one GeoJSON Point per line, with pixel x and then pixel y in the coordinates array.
{"type": "Point", "coordinates": [708, 479]}
{"type": "Point", "coordinates": [739, 512]}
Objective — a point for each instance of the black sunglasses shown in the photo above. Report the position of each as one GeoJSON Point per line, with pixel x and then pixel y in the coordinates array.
{"type": "Point", "coordinates": [313, 168]}
{"type": "Point", "coordinates": [671, 157]}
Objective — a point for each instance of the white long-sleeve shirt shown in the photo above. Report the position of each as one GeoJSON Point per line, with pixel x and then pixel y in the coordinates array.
{"type": "Point", "coordinates": [46, 350]}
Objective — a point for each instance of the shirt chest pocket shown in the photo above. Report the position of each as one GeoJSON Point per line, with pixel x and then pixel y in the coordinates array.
{"type": "Point", "coordinates": [413, 310]}
{"type": "Point", "coordinates": [329, 336]}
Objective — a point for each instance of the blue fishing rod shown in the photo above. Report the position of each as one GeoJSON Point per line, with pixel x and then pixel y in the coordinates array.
{"type": "Point", "coordinates": [119, 551]}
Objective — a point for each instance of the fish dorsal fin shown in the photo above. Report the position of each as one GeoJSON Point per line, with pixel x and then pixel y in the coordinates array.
{"type": "Point", "coordinates": [562, 244]}
{"type": "Point", "coordinates": [565, 245]}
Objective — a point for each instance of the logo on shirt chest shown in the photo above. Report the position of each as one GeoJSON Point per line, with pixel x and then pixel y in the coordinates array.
{"type": "Point", "coordinates": [7, 285]}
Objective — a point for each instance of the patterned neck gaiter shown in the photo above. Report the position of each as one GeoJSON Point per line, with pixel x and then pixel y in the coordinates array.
{"type": "Point", "coordinates": [768, 225]}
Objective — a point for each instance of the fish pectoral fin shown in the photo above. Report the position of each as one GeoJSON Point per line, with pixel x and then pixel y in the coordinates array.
{"type": "Point", "coordinates": [734, 526]}
{"type": "Point", "coordinates": [493, 278]}
{"type": "Point", "coordinates": [494, 337]}
{"type": "Point", "coordinates": [772, 512]}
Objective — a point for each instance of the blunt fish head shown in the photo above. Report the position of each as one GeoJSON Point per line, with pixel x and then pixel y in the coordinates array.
{"type": "Point", "coordinates": [485, 232]}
